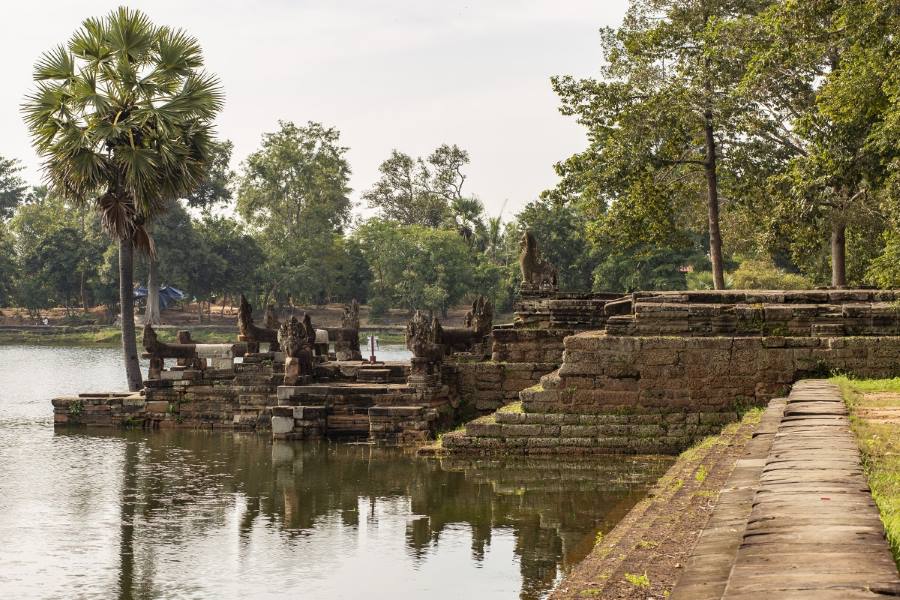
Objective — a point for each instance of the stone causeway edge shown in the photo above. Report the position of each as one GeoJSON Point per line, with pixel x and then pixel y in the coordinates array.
{"type": "Point", "coordinates": [800, 523]}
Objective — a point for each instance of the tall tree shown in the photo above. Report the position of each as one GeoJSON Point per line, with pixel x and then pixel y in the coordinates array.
{"type": "Point", "coordinates": [827, 71]}
{"type": "Point", "coordinates": [294, 192]}
{"type": "Point", "coordinates": [662, 119]}
{"type": "Point", "coordinates": [419, 191]}
{"type": "Point", "coordinates": [122, 116]}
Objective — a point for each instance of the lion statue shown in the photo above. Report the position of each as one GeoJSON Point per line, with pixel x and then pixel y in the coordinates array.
{"type": "Point", "coordinates": [537, 273]}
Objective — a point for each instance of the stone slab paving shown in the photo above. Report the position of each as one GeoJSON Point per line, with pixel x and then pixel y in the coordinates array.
{"type": "Point", "coordinates": [813, 532]}
{"type": "Point", "coordinates": [707, 570]}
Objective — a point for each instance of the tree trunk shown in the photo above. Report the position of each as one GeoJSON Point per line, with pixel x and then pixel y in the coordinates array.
{"type": "Point", "coordinates": [838, 252]}
{"type": "Point", "coordinates": [83, 293]}
{"type": "Point", "coordinates": [712, 202]}
{"type": "Point", "coordinates": [152, 315]}
{"type": "Point", "coordinates": [126, 303]}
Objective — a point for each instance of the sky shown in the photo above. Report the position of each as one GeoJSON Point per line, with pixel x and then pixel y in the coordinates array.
{"type": "Point", "coordinates": [404, 74]}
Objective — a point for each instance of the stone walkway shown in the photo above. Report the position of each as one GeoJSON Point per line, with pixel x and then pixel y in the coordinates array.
{"type": "Point", "coordinates": [811, 531]}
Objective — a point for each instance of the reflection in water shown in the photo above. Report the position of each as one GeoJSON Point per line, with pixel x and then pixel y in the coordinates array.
{"type": "Point", "coordinates": [201, 514]}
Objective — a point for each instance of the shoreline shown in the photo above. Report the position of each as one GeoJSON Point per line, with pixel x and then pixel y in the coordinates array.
{"type": "Point", "coordinates": [107, 336]}
{"type": "Point", "coordinates": [644, 555]}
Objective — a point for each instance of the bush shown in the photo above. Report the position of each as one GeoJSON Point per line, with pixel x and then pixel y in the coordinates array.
{"type": "Point", "coordinates": [884, 271]}
{"type": "Point", "coordinates": [763, 275]}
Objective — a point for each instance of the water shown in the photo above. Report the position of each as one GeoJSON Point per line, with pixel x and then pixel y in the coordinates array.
{"type": "Point", "coordinates": [182, 514]}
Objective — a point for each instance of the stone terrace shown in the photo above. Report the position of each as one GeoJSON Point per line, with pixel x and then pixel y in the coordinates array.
{"type": "Point", "coordinates": [671, 368]}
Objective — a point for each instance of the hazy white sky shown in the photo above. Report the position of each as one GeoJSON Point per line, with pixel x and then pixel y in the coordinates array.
{"type": "Point", "coordinates": [405, 74]}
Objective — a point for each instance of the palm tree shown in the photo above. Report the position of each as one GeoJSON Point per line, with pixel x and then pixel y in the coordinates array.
{"type": "Point", "coordinates": [122, 117]}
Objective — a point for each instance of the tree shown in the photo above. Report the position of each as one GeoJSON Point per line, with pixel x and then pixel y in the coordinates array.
{"type": "Point", "coordinates": [240, 254]}
{"type": "Point", "coordinates": [419, 191]}
{"type": "Point", "coordinates": [36, 224]}
{"type": "Point", "coordinates": [214, 189]}
{"type": "Point", "coordinates": [122, 117]}
{"type": "Point", "coordinates": [8, 270]}
{"type": "Point", "coordinates": [417, 267]}
{"type": "Point", "coordinates": [662, 121]}
{"type": "Point", "coordinates": [12, 186]}
{"type": "Point", "coordinates": [294, 193]}
{"type": "Point", "coordinates": [821, 68]}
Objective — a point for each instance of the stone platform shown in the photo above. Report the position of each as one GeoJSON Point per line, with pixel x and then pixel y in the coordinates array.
{"type": "Point", "coordinates": [809, 530]}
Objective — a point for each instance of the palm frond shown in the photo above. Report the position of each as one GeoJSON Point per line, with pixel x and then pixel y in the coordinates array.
{"type": "Point", "coordinates": [56, 65]}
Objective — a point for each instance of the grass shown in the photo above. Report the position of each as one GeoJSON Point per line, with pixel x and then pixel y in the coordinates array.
{"type": "Point", "coordinates": [879, 444]}
{"type": "Point", "coordinates": [641, 581]}
{"type": "Point", "coordinates": [701, 474]}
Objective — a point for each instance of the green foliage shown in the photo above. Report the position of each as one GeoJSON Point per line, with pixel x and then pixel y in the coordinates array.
{"type": "Point", "coordinates": [122, 116]}
{"type": "Point", "coordinates": [763, 275]}
{"type": "Point", "coordinates": [294, 193]}
{"type": "Point", "coordinates": [646, 267]}
{"type": "Point", "coordinates": [8, 267]}
{"type": "Point", "coordinates": [58, 247]}
{"type": "Point", "coordinates": [884, 270]}
{"type": "Point", "coordinates": [420, 191]}
{"type": "Point", "coordinates": [12, 186]}
{"type": "Point", "coordinates": [416, 267]}
{"type": "Point", "coordinates": [215, 185]}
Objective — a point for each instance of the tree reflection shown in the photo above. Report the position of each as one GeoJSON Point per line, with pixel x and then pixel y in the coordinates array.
{"type": "Point", "coordinates": [181, 484]}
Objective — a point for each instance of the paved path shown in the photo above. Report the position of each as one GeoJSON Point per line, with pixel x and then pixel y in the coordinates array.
{"type": "Point", "coordinates": [813, 531]}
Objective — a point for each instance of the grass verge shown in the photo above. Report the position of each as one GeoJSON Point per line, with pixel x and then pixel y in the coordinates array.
{"type": "Point", "coordinates": [875, 419]}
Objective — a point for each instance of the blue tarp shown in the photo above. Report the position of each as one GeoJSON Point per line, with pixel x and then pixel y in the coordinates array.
{"type": "Point", "coordinates": [167, 295]}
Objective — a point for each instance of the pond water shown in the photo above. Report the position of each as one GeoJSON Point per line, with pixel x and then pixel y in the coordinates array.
{"type": "Point", "coordinates": [187, 514]}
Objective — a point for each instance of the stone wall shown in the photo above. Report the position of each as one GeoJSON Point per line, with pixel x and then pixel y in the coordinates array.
{"type": "Point", "coordinates": [486, 386]}
{"type": "Point", "coordinates": [736, 313]}
{"type": "Point", "coordinates": [671, 368]}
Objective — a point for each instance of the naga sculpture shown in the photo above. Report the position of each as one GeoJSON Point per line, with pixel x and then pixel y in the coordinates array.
{"type": "Point", "coordinates": [158, 351]}
{"type": "Point", "coordinates": [253, 334]}
{"type": "Point", "coordinates": [422, 335]}
{"type": "Point", "coordinates": [350, 319]}
{"type": "Point", "coordinates": [537, 273]}
{"type": "Point", "coordinates": [293, 337]}
{"type": "Point", "coordinates": [346, 337]}
{"type": "Point", "coordinates": [479, 321]}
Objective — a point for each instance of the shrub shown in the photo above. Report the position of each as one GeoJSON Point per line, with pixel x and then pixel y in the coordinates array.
{"type": "Point", "coordinates": [763, 275]}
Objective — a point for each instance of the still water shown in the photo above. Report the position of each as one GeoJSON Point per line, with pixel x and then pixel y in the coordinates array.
{"type": "Point", "coordinates": [110, 514]}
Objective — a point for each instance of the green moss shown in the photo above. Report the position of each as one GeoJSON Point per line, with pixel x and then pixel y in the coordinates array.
{"type": "Point", "coordinates": [512, 407]}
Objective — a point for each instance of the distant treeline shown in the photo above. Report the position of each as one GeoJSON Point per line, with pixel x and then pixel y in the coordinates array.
{"type": "Point", "coordinates": [732, 143]}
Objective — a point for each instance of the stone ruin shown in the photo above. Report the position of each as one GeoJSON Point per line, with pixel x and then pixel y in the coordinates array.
{"type": "Point", "coordinates": [647, 372]}
{"type": "Point", "coordinates": [669, 368]}
{"type": "Point", "coordinates": [282, 376]}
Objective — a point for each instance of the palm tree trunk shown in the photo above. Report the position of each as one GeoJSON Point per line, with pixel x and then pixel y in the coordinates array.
{"type": "Point", "coordinates": [152, 315]}
{"type": "Point", "coordinates": [126, 303]}
{"type": "Point", "coordinates": [712, 201]}
{"type": "Point", "coordinates": [838, 252]}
